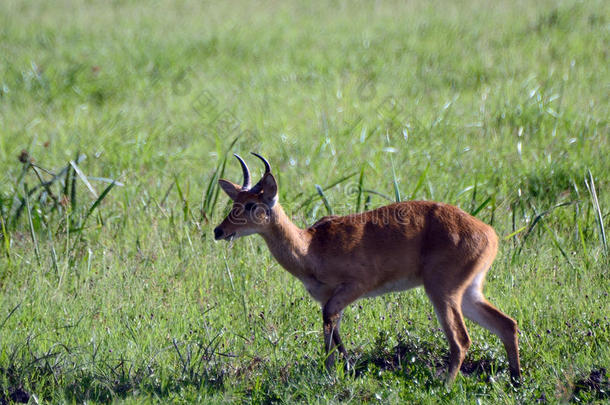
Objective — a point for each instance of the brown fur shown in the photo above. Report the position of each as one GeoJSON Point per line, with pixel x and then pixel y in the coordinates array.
{"type": "Point", "coordinates": [341, 259]}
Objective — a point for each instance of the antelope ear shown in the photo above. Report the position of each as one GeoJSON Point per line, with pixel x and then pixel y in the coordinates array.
{"type": "Point", "coordinates": [230, 188]}
{"type": "Point", "coordinates": [269, 186]}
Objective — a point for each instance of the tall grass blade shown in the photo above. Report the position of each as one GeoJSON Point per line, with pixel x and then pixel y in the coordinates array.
{"type": "Point", "coordinates": [397, 197]}
{"type": "Point", "coordinates": [375, 192]}
{"type": "Point", "coordinates": [581, 238]}
{"type": "Point", "coordinates": [162, 203]}
{"type": "Point", "coordinates": [579, 225]}
{"type": "Point", "coordinates": [15, 198]}
{"type": "Point", "coordinates": [216, 188]}
{"type": "Point", "coordinates": [474, 194]}
{"type": "Point", "coordinates": [324, 199]}
{"type": "Point", "coordinates": [73, 190]}
{"type": "Point", "coordinates": [462, 192]}
{"type": "Point", "coordinates": [367, 202]}
{"type": "Point", "coordinates": [493, 210]}
{"type": "Point", "coordinates": [45, 185]}
{"type": "Point", "coordinates": [53, 252]}
{"type": "Point", "coordinates": [98, 202]}
{"type": "Point", "coordinates": [228, 270]}
{"type": "Point", "coordinates": [480, 207]}
{"type": "Point", "coordinates": [32, 232]}
{"type": "Point", "coordinates": [395, 182]}
{"type": "Point", "coordinates": [598, 212]}
{"type": "Point", "coordinates": [305, 203]}
{"type": "Point", "coordinates": [513, 209]}
{"type": "Point", "coordinates": [10, 314]}
{"type": "Point", "coordinates": [558, 245]}
{"type": "Point", "coordinates": [7, 239]}
{"type": "Point", "coordinates": [68, 170]}
{"type": "Point", "coordinates": [185, 205]}
{"type": "Point", "coordinates": [360, 186]}
{"type": "Point", "coordinates": [209, 193]}
{"type": "Point", "coordinates": [533, 225]}
{"type": "Point", "coordinates": [213, 190]}
{"type": "Point", "coordinates": [515, 233]}
{"type": "Point", "coordinates": [558, 112]}
{"type": "Point", "coordinates": [420, 182]}
{"type": "Point", "coordinates": [184, 366]}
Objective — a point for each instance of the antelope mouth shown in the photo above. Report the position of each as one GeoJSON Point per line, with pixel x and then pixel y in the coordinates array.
{"type": "Point", "coordinates": [229, 237]}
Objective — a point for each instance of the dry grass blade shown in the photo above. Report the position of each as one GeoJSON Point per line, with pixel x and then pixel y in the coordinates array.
{"type": "Point", "coordinates": [82, 176]}
{"type": "Point", "coordinates": [598, 212]}
{"type": "Point", "coordinates": [106, 180]}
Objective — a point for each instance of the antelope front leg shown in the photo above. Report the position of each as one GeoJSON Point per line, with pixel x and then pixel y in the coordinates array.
{"type": "Point", "coordinates": [331, 333]}
{"type": "Point", "coordinates": [331, 316]}
{"type": "Point", "coordinates": [332, 338]}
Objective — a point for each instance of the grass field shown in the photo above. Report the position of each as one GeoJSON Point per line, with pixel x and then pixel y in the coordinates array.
{"type": "Point", "coordinates": [117, 291]}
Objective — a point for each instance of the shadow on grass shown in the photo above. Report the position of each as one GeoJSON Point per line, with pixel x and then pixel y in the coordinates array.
{"type": "Point", "coordinates": [100, 387]}
{"type": "Point", "coordinates": [103, 389]}
{"type": "Point", "coordinates": [53, 377]}
{"type": "Point", "coordinates": [417, 362]}
{"type": "Point", "coordinates": [595, 387]}
{"type": "Point", "coordinates": [421, 360]}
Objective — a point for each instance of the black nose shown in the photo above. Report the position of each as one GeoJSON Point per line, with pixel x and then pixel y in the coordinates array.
{"type": "Point", "coordinates": [218, 233]}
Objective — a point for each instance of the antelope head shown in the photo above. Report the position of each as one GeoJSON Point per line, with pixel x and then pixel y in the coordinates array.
{"type": "Point", "coordinates": [252, 206]}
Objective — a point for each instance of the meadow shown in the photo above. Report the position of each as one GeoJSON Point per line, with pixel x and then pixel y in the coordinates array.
{"type": "Point", "coordinates": [117, 118]}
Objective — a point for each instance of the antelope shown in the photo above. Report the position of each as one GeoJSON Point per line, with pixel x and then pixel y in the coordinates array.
{"type": "Point", "coordinates": [341, 259]}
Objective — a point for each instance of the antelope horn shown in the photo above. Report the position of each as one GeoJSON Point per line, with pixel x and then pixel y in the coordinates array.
{"type": "Point", "coordinates": [244, 168]}
{"type": "Point", "coordinates": [258, 186]}
{"type": "Point", "coordinates": [267, 165]}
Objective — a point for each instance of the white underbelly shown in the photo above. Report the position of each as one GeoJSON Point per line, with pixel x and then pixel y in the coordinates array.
{"type": "Point", "coordinates": [399, 285]}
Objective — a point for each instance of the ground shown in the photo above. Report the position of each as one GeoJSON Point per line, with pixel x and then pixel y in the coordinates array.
{"type": "Point", "coordinates": [116, 291]}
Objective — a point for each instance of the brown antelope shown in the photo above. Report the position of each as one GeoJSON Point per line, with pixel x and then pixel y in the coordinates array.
{"type": "Point", "coordinates": [341, 259]}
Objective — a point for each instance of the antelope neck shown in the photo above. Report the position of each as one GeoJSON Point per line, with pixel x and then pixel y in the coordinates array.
{"type": "Point", "coordinates": [287, 242]}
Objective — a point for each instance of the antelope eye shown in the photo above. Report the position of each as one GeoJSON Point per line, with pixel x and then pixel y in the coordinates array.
{"type": "Point", "coordinates": [249, 206]}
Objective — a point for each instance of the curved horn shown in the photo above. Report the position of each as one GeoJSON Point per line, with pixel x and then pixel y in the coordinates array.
{"type": "Point", "coordinates": [267, 165]}
{"type": "Point", "coordinates": [258, 186]}
{"type": "Point", "coordinates": [244, 168]}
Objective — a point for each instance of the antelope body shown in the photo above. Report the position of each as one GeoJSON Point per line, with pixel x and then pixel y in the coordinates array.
{"type": "Point", "coordinates": [341, 259]}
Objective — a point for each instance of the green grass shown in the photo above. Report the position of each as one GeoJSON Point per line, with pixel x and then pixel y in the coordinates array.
{"type": "Point", "coordinates": [498, 107]}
